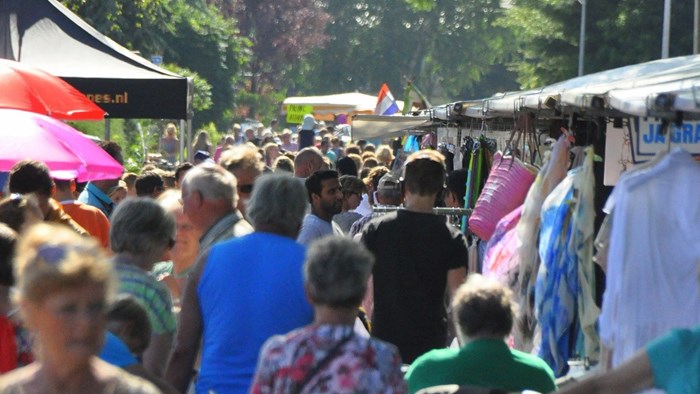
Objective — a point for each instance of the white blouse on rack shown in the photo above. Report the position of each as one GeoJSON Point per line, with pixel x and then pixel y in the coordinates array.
{"type": "Point", "coordinates": [654, 256]}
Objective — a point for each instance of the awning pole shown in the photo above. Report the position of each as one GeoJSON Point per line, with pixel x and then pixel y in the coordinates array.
{"type": "Point", "coordinates": [107, 129]}
{"type": "Point", "coordinates": [696, 28]}
{"type": "Point", "coordinates": [666, 39]}
{"type": "Point", "coordinates": [189, 139]}
{"type": "Point", "coordinates": [183, 136]}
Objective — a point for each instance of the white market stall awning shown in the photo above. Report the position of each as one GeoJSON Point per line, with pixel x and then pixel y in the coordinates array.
{"type": "Point", "coordinates": [337, 103]}
{"type": "Point", "coordinates": [658, 76]}
{"type": "Point", "coordinates": [656, 72]}
{"type": "Point", "coordinates": [641, 101]}
{"type": "Point", "coordinates": [365, 127]}
{"type": "Point", "coordinates": [506, 104]}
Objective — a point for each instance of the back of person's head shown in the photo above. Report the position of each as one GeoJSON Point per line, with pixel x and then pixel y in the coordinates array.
{"type": "Point", "coordinates": [314, 183]}
{"type": "Point", "coordinates": [384, 154]}
{"type": "Point", "coordinates": [181, 170]}
{"type": "Point", "coordinates": [389, 189]}
{"type": "Point", "coordinates": [128, 320]}
{"type": "Point", "coordinates": [277, 201]}
{"type": "Point", "coordinates": [368, 155]}
{"type": "Point", "coordinates": [351, 184]}
{"type": "Point", "coordinates": [242, 158]}
{"type": "Point", "coordinates": [202, 136]}
{"type": "Point", "coordinates": [51, 257]}
{"type": "Point", "coordinates": [141, 227]}
{"type": "Point", "coordinates": [130, 179]}
{"type": "Point", "coordinates": [30, 176]}
{"type": "Point", "coordinates": [346, 166]}
{"type": "Point", "coordinates": [212, 181]}
{"type": "Point", "coordinates": [283, 163]}
{"type": "Point", "coordinates": [424, 172]}
{"type": "Point", "coordinates": [369, 147]}
{"type": "Point", "coordinates": [353, 149]}
{"type": "Point", "coordinates": [148, 167]}
{"type": "Point", "coordinates": [308, 159]}
{"type": "Point", "coordinates": [148, 184]}
{"type": "Point", "coordinates": [357, 159]}
{"type": "Point", "coordinates": [457, 184]}
{"type": "Point", "coordinates": [370, 162]}
{"type": "Point", "coordinates": [113, 149]}
{"type": "Point", "coordinates": [17, 211]}
{"type": "Point", "coordinates": [8, 241]}
{"type": "Point", "coordinates": [374, 175]}
{"type": "Point", "coordinates": [336, 272]}
{"type": "Point", "coordinates": [483, 307]}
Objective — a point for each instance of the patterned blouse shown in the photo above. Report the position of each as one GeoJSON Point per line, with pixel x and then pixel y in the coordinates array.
{"type": "Point", "coordinates": [361, 365]}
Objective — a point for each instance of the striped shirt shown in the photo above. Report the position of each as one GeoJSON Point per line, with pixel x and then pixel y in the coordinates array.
{"type": "Point", "coordinates": [152, 295]}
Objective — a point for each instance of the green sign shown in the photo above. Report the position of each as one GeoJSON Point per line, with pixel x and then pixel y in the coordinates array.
{"type": "Point", "coordinates": [295, 113]}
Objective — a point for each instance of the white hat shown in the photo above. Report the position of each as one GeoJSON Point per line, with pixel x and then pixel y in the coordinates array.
{"type": "Point", "coordinates": [308, 123]}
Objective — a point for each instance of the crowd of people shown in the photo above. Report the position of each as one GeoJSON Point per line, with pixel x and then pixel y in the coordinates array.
{"type": "Point", "coordinates": [262, 266]}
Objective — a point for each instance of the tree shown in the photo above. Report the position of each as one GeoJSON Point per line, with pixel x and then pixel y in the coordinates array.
{"type": "Point", "coordinates": [189, 34]}
{"type": "Point", "coordinates": [618, 33]}
{"type": "Point", "coordinates": [281, 32]}
{"type": "Point", "coordinates": [446, 49]}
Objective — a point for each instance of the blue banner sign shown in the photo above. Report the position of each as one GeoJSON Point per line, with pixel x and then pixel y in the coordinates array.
{"type": "Point", "coordinates": [647, 138]}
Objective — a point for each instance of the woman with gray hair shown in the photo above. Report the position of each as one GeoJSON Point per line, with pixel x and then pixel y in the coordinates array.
{"type": "Point", "coordinates": [327, 356]}
{"type": "Point", "coordinates": [142, 233]}
{"type": "Point", "coordinates": [245, 290]}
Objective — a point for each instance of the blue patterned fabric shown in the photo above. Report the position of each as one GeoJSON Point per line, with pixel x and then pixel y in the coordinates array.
{"type": "Point", "coordinates": [557, 279]}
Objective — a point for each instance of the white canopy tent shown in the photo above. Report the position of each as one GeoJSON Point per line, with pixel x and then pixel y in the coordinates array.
{"type": "Point", "coordinates": [366, 127]}
{"type": "Point", "coordinates": [325, 107]}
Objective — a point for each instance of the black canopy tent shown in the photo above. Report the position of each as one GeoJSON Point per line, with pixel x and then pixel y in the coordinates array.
{"type": "Point", "coordinates": [45, 34]}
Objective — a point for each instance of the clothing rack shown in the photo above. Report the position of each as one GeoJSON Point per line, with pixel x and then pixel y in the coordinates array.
{"type": "Point", "coordinates": [437, 210]}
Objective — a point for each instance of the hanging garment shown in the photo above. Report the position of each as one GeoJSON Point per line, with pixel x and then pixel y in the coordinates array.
{"type": "Point", "coordinates": [565, 281]}
{"type": "Point", "coordinates": [500, 259]}
{"type": "Point", "coordinates": [651, 283]}
{"type": "Point", "coordinates": [527, 231]}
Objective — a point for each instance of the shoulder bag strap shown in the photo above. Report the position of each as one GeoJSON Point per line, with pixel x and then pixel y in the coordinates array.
{"type": "Point", "coordinates": [332, 353]}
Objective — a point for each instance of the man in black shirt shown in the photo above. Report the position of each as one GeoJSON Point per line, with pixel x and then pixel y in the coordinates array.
{"type": "Point", "coordinates": [418, 257]}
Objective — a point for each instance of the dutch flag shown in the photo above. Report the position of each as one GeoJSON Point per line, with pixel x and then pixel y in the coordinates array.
{"type": "Point", "coordinates": [386, 105]}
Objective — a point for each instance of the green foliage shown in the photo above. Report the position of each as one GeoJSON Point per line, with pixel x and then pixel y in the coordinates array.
{"type": "Point", "coordinates": [202, 89]}
{"type": "Point", "coordinates": [446, 51]}
{"type": "Point", "coordinates": [186, 32]}
{"type": "Point", "coordinates": [618, 33]}
{"type": "Point", "coordinates": [209, 44]}
{"type": "Point", "coordinates": [281, 33]}
{"type": "Point", "coordinates": [421, 5]}
{"type": "Point", "coordinates": [267, 105]}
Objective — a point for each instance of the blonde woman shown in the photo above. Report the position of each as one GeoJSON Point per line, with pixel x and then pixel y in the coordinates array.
{"type": "Point", "coordinates": [170, 144]}
{"type": "Point", "coordinates": [63, 286]}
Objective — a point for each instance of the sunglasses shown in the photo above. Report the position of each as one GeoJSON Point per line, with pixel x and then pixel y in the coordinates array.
{"type": "Point", "coordinates": [55, 254]}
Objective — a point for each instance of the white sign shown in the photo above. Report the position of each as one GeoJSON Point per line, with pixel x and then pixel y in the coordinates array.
{"type": "Point", "coordinates": [618, 154]}
{"type": "Point", "coordinates": [647, 139]}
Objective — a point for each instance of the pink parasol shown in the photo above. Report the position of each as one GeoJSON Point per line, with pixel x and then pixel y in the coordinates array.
{"type": "Point", "coordinates": [67, 152]}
